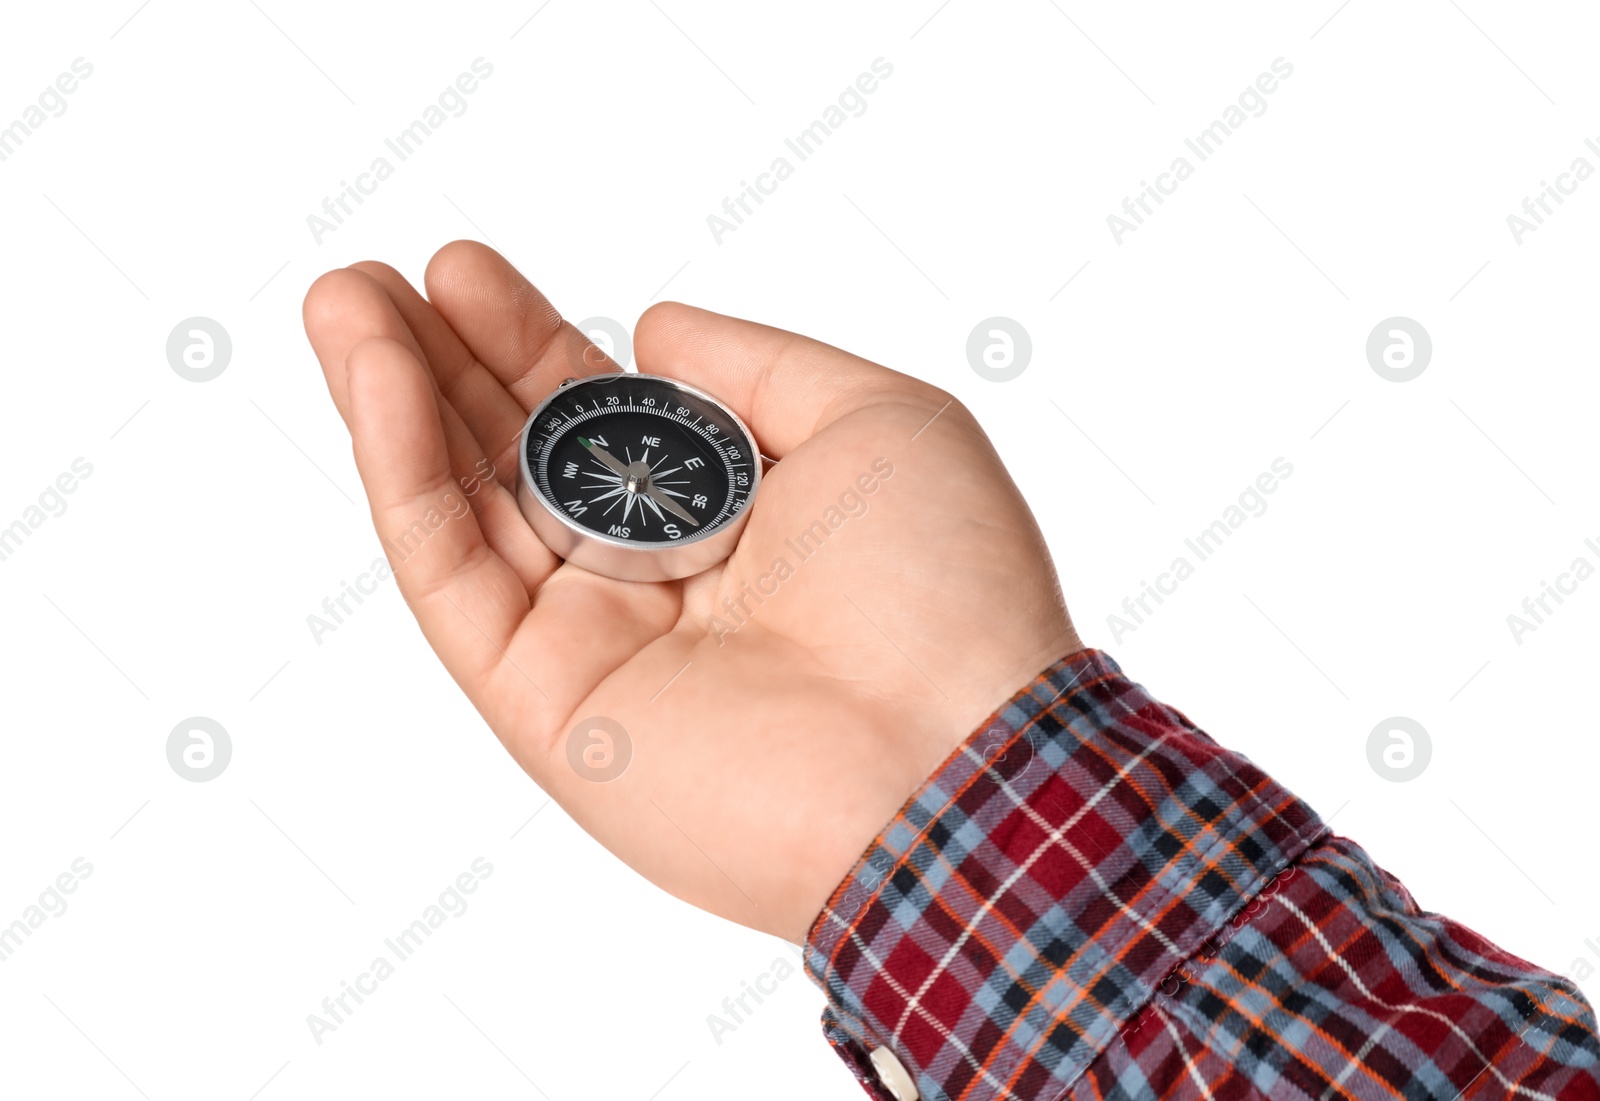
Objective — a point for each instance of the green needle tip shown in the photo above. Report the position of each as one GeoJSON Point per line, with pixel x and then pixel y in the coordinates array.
{"type": "Point", "coordinates": [583, 441]}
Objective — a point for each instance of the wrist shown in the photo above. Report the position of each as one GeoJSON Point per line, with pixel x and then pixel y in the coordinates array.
{"type": "Point", "coordinates": [1030, 897]}
{"type": "Point", "coordinates": [907, 746]}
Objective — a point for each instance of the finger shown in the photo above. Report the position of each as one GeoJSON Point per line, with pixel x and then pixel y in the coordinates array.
{"type": "Point", "coordinates": [524, 672]}
{"type": "Point", "coordinates": [490, 413]}
{"type": "Point", "coordinates": [345, 307]}
{"type": "Point", "coordinates": [467, 599]}
{"type": "Point", "coordinates": [785, 386]}
{"type": "Point", "coordinates": [342, 308]}
{"type": "Point", "coordinates": [511, 328]}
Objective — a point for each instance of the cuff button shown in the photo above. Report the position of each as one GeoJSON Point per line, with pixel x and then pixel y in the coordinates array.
{"type": "Point", "coordinates": [892, 1073]}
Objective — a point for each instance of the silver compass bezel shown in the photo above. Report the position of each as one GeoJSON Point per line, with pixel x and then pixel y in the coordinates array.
{"type": "Point", "coordinates": [625, 559]}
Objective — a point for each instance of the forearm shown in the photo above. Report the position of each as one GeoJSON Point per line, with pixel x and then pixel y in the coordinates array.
{"type": "Point", "coordinates": [1091, 888]}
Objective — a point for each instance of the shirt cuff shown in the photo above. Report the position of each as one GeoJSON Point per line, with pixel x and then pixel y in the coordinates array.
{"type": "Point", "coordinates": [1030, 897]}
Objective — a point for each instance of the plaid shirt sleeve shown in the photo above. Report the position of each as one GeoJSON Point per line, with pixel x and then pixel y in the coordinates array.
{"type": "Point", "coordinates": [1092, 900]}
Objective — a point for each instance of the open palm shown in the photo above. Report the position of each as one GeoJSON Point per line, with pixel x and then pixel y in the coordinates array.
{"type": "Point", "coordinates": [889, 590]}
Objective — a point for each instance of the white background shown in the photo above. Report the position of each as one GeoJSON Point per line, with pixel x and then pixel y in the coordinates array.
{"type": "Point", "coordinates": [1223, 334]}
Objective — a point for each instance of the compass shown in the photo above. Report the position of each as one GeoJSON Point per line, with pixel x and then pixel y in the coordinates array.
{"type": "Point", "coordinates": [637, 476]}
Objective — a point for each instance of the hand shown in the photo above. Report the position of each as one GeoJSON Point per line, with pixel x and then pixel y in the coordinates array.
{"type": "Point", "coordinates": [770, 745]}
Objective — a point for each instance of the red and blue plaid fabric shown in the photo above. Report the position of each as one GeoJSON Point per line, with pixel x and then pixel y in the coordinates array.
{"type": "Point", "coordinates": [1091, 899]}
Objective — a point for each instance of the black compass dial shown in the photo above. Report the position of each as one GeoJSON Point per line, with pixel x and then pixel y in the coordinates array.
{"type": "Point", "coordinates": [640, 459]}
